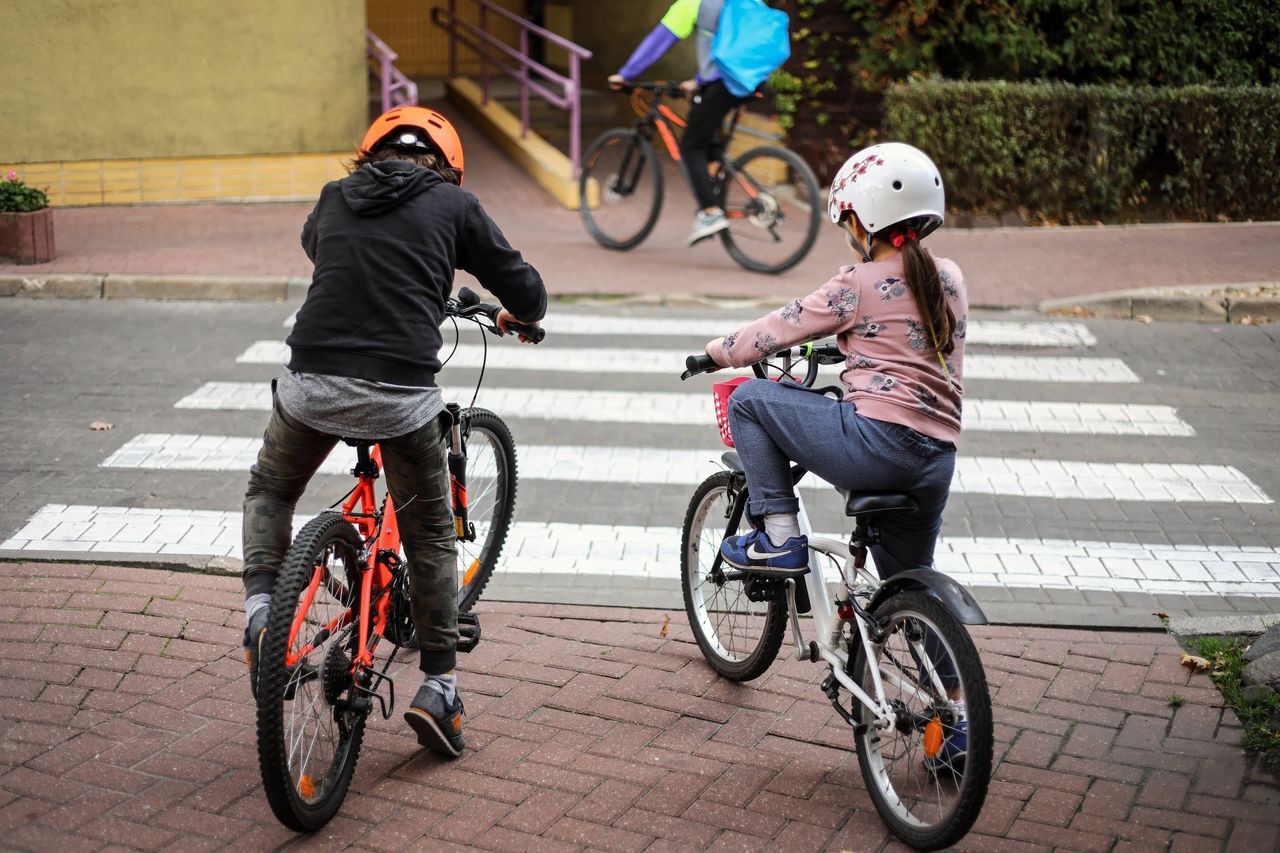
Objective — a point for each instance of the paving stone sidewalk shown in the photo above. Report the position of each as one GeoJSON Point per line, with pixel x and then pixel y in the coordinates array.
{"type": "Point", "coordinates": [125, 723]}
{"type": "Point", "coordinates": [1004, 267]}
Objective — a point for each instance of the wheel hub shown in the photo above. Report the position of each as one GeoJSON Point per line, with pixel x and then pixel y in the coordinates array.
{"type": "Point", "coordinates": [764, 211]}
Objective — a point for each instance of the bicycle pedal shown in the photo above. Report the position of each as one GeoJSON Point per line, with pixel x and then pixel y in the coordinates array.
{"type": "Point", "coordinates": [468, 632]}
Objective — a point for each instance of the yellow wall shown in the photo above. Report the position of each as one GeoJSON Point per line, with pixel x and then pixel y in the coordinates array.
{"type": "Point", "coordinates": [611, 30]}
{"type": "Point", "coordinates": [133, 79]}
{"type": "Point", "coordinates": [423, 48]}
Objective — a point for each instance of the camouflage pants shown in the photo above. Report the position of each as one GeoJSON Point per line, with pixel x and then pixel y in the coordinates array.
{"type": "Point", "coordinates": [418, 478]}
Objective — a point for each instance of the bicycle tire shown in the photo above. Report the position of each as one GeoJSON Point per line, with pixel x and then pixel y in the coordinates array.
{"type": "Point", "coordinates": [794, 165]}
{"type": "Point", "coordinates": [591, 168]}
{"type": "Point", "coordinates": [722, 652]}
{"type": "Point", "coordinates": [303, 802]}
{"type": "Point", "coordinates": [902, 615]}
{"type": "Point", "coordinates": [480, 566]}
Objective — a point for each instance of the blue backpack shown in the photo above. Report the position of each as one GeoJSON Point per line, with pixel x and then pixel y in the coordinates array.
{"type": "Point", "coordinates": [751, 42]}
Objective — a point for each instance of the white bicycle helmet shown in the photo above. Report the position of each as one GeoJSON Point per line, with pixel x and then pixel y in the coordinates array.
{"type": "Point", "coordinates": [886, 184]}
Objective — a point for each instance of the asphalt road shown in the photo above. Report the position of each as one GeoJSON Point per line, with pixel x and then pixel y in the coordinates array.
{"type": "Point", "coordinates": [1148, 485]}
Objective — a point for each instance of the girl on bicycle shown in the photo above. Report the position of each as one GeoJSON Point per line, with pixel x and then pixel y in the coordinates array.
{"type": "Point", "coordinates": [899, 318]}
{"type": "Point", "coordinates": [385, 241]}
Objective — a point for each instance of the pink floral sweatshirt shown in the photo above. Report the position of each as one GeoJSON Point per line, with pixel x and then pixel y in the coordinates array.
{"type": "Point", "coordinates": [892, 371]}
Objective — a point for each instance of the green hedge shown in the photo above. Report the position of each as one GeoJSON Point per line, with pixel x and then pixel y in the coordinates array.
{"type": "Point", "coordinates": [1082, 153]}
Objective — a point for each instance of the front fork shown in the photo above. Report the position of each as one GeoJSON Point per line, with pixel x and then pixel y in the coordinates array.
{"type": "Point", "coordinates": [462, 526]}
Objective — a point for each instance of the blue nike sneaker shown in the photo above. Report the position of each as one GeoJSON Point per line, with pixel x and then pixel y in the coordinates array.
{"type": "Point", "coordinates": [755, 552]}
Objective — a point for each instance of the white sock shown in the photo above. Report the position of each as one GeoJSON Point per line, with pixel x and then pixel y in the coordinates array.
{"type": "Point", "coordinates": [446, 685]}
{"type": "Point", "coordinates": [254, 603]}
{"type": "Point", "coordinates": [781, 527]}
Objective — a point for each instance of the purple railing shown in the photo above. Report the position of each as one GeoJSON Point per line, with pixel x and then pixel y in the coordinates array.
{"type": "Point", "coordinates": [490, 48]}
{"type": "Point", "coordinates": [397, 89]}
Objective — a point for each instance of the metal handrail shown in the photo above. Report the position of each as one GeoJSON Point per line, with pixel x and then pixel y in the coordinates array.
{"type": "Point", "coordinates": [397, 89]}
{"type": "Point", "coordinates": [489, 49]}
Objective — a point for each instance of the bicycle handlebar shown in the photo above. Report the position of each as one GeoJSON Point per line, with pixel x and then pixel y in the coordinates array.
{"type": "Point", "coordinates": [469, 307]}
{"type": "Point", "coordinates": [816, 355]}
{"type": "Point", "coordinates": [661, 87]}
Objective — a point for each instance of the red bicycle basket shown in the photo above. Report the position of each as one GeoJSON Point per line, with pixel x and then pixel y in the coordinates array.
{"type": "Point", "coordinates": [721, 391]}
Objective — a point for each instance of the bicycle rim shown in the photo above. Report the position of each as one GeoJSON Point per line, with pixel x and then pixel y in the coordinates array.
{"type": "Point", "coordinates": [772, 201]}
{"type": "Point", "coordinates": [620, 190]}
{"type": "Point", "coordinates": [927, 775]}
{"type": "Point", "coordinates": [308, 736]}
{"type": "Point", "coordinates": [738, 637]}
{"type": "Point", "coordinates": [491, 497]}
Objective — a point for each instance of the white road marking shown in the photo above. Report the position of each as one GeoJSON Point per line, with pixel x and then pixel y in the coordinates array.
{"type": "Point", "coordinates": [695, 409]}
{"type": "Point", "coordinates": [1009, 333]}
{"type": "Point", "coordinates": [989, 475]}
{"type": "Point", "coordinates": [595, 552]}
{"type": "Point", "coordinates": [1018, 368]}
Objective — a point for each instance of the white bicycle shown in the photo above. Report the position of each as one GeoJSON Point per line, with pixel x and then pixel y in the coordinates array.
{"type": "Point", "coordinates": [905, 674]}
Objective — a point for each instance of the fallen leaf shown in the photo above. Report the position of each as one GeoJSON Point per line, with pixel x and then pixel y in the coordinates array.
{"type": "Point", "coordinates": [1143, 318]}
{"type": "Point", "coordinates": [99, 426]}
{"type": "Point", "coordinates": [666, 623]}
{"type": "Point", "coordinates": [1195, 662]}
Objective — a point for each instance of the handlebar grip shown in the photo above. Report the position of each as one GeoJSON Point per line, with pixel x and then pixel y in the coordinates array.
{"type": "Point", "coordinates": [699, 363]}
{"type": "Point", "coordinates": [533, 333]}
{"type": "Point", "coordinates": [467, 297]}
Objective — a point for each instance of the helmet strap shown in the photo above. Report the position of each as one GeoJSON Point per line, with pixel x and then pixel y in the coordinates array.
{"type": "Point", "coordinates": [857, 244]}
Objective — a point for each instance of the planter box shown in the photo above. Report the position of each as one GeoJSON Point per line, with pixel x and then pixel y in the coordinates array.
{"type": "Point", "coordinates": [27, 238]}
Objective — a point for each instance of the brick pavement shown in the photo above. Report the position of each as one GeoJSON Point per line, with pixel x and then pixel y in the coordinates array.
{"type": "Point", "coordinates": [124, 722]}
{"type": "Point", "coordinates": [1004, 267]}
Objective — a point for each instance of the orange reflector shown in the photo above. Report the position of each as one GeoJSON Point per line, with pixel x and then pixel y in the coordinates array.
{"type": "Point", "coordinates": [933, 738]}
{"type": "Point", "coordinates": [306, 787]}
{"type": "Point", "coordinates": [471, 572]}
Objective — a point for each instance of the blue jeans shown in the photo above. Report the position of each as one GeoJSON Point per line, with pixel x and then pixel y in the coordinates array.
{"type": "Point", "coordinates": [776, 423]}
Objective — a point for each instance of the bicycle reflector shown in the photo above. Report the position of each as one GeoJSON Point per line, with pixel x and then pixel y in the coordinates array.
{"type": "Point", "coordinates": [933, 738]}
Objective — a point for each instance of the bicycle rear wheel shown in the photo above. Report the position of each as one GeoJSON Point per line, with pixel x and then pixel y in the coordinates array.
{"type": "Point", "coordinates": [928, 775]}
{"type": "Point", "coordinates": [771, 199]}
{"type": "Point", "coordinates": [621, 174]}
{"type": "Point", "coordinates": [491, 501]}
{"type": "Point", "coordinates": [739, 637]}
{"type": "Point", "coordinates": [309, 733]}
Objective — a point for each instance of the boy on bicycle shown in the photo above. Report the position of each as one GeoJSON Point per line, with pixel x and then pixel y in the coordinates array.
{"type": "Point", "coordinates": [711, 101]}
{"type": "Point", "coordinates": [386, 241]}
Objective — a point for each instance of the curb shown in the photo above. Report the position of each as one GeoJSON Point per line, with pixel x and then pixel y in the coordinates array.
{"type": "Point", "coordinates": [154, 287]}
{"type": "Point", "coordinates": [1247, 303]}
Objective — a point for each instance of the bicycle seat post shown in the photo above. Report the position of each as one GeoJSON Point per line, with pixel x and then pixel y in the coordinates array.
{"type": "Point", "coordinates": [364, 465]}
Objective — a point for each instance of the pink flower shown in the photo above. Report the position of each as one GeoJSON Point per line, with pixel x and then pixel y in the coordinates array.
{"type": "Point", "coordinates": [12, 175]}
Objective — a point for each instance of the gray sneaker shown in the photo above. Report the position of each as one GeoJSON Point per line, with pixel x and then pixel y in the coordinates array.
{"type": "Point", "coordinates": [707, 225]}
{"type": "Point", "coordinates": [253, 634]}
{"type": "Point", "coordinates": [437, 724]}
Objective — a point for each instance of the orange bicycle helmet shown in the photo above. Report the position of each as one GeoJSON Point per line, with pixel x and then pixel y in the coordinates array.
{"type": "Point", "coordinates": [435, 126]}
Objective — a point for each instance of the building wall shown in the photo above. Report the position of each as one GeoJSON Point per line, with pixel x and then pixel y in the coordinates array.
{"type": "Point", "coordinates": [131, 79]}
{"type": "Point", "coordinates": [611, 29]}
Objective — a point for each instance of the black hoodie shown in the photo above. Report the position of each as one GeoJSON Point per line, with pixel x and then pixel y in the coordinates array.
{"type": "Point", "coordinates": [385, 241]}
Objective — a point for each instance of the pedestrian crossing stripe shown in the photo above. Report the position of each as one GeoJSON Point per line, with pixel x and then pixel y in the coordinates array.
{"type": "Point", "coordinates": [1009, 333]}
{"type": "Point", "coordinates": [1017, 368]}
{"type": "Point", "coordinates": [1029, 478]}
{"type": "Point", "coordinates": [696, 409]}
{"type": "Point", "coordinates": [596, 552]}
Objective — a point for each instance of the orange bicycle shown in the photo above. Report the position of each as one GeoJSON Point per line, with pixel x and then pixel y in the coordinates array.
{"type": "Point", "coordinates": [344, 587]}
{"type": "Point", "coordinates": [769, 194]}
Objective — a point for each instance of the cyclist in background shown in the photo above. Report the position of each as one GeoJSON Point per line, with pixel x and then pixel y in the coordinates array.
{"type": "Point", "coordinates": [710, 103]}
{"type": "Point", "coordinates": [385, 242]}
{"type": "Point", "coordinates": [900, 319]}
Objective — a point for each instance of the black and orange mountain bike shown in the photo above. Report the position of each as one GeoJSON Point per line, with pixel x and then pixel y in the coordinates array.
{"type": "Point", "coordinates": [769, 194]}
{"type": "Point", "coordinates": [344, 589]}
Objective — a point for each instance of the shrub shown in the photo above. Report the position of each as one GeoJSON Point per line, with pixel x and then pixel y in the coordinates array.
{"type": "Point", "coordinates": [17, 197]}
{"type": "Point", "coordinates": [1080, 153]}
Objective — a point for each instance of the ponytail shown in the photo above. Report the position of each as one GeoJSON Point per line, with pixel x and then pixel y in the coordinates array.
{"type": "Point", "coordinates": [926, 285]}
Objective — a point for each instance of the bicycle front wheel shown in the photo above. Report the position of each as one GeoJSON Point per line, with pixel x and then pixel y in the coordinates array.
{"type": "Point", "coordinates": [491, 501]}
{"type": "Point", "coordinates": [739, 637]}
{"type": "Point", "coordinates": [309, 731]}
{"type": "Point", "coordinates": [772, 201]}
{"type": "Point", "coordinates": [928, 774]}
{"type": "Point", "coordinates": [620, 189]}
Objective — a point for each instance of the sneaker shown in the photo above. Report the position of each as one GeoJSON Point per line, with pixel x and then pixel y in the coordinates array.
{"type": "Point", "coordinates": [707, 225]}
{"type": "Point", "coordinates": [253, 634]}
{"type": "Point", "coordinates": [756, 552]}
{"type": "Point", "coordinates": [437, 724]}
{"type": "Point", "coordinates": [955, 749]}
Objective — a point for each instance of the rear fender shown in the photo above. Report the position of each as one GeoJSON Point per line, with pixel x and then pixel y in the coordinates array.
{"type": "Point", "coordinates": [948, 590]}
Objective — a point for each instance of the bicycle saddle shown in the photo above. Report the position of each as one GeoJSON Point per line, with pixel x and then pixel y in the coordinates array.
{"type": "Point", "coordinates": [878, 503]}
{"type": "Point", "coordinates": [357, 442]}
